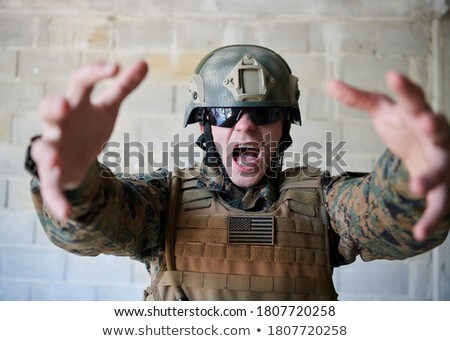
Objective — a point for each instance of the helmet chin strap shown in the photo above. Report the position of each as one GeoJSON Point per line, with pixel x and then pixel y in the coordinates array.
{"type": "Point", "coordinates": [276, 162]}
{"type": "Point", "coordinates": [212, 157]}
{"type": "Point", "coordinates": [205, 142]}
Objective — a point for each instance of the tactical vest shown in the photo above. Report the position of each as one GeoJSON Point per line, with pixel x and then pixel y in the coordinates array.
{"type": "Point", "coordinates": [216, 252]}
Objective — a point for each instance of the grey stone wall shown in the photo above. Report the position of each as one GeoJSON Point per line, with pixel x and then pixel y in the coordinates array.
{"type": "Point", "coordinates": [41, 42]}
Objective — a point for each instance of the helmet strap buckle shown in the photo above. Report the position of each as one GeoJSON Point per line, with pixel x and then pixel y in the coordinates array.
{"type": "Point", "coordinates": [201, 116]}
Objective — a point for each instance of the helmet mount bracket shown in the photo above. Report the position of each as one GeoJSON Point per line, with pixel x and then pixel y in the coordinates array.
{"type": "Point", "coordinates": [249, 80]}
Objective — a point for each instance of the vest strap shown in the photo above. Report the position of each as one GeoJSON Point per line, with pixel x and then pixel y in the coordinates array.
{"type": "Point", "coordinates": [170, 229]}
{"type": "Point", "coordinates": [310, 183]}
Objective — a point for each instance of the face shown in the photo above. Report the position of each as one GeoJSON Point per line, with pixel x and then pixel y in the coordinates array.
{"type": "Point", "coordinates": [246, 149]}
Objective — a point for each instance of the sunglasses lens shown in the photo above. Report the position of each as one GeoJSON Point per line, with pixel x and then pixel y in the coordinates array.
{"type": "Point", "coordinates": [223, 117]}
{"type": "Point", "coordinates": [226, 117]}
{"type": "Point", "coordinates": [263, 116]}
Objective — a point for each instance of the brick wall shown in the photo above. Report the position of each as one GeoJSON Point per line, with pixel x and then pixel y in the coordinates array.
{"type": "Point", "coordinates": [358, 41]}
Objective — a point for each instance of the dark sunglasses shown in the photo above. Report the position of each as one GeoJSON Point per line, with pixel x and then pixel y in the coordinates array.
{"type": "Point", "coordinates": [227, 117]}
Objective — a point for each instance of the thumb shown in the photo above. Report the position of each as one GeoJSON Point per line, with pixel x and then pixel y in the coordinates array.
{"type": "Point", "coordinates": [436, 206]}
{"type": "Point", "coordinates": [53, 195]}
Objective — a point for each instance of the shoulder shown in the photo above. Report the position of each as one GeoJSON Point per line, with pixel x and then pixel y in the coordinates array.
{"type": "Point", "coordinates": [302, 172]}
{"type": "Point", "coordinates": [301, 177]}
{"type": "Point", "coordinates": [143, 181]}
{"type": "Point", "coordinates": [186, 174]}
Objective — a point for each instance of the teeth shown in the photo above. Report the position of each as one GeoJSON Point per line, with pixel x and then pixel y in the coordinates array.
{"type": "Point", "coordinates": [248, 146]}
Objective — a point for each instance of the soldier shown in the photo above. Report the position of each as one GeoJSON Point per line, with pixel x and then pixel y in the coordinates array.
{"type": "Point", "coordinates": [238, 227]}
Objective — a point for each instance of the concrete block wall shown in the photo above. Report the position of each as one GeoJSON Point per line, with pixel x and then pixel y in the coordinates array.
{"type": "Point", "coordinates": [357, 41]}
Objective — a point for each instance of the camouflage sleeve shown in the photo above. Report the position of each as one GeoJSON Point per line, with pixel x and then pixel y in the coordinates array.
{"type": "Point", "coordinates": [111, 214]}
{"type": "Point", "coordinates": [373, 214]}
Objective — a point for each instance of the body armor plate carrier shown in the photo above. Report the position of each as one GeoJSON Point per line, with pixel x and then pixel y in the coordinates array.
{"type": "Point", "coordinates": [216, 252]}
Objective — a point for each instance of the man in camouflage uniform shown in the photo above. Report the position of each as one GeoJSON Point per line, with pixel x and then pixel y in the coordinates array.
{"type": "Point", "coordinates": [187, 226]}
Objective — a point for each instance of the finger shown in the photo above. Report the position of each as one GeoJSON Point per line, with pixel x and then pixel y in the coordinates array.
{"type": "Point", "coordinates": [420, 185]}
{"type": "Point", "coordinates": [125, 83]}
{"type": "Point", "coordinates": [437, 128]}
{"type": "Point", "coordinates": [409, 95]}
{"type": "Point", "coordinates": [436, 205]}
{"type": "Point", "coordinates": [53, 109]}
{"type": "Point", "coordinates": [434, 128]}
{"type": "Point", "coordinates": [355, 98]}
{"type": "Point", "coordinates": [436, 173]}
{"type": "Point", "coordinates": [52, 132]}
{"type": "Point", "coordinates": [84, 79]}
{"type": "Point", "coordinates": [53, 195]}
{"type": "Point", "coordinates": [49, 172]}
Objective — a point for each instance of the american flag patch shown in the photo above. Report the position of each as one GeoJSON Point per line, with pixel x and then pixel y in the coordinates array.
{"type": "Point", "coordinates": [251, 230]}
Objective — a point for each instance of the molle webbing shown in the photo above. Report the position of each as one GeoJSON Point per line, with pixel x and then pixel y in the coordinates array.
{"type": "Point", "coordinates": [207, 267]}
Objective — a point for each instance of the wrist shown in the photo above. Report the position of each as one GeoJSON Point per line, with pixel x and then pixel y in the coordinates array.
{"type": "Point", "coordinates": [86, 188]}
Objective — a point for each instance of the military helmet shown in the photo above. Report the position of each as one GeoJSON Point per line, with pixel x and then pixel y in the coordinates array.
{"type": "Point", "coordinates": [242, 76]}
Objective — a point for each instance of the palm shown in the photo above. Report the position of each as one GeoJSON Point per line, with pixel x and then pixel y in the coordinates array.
{"type": "Point", "coordinates": [407, 137]}
{"type": "Point", "coordinates": [84, 133]}
{"type": "Point", "coordinates": [75, 128]}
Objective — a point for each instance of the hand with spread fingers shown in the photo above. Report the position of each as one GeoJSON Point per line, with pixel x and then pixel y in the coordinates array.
{"type": "Point", "coordinates": [415, 134]}
{"type": "Point", "coordinates": [75, 128]}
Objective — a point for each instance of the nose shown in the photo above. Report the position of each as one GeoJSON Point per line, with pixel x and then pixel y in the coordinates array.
{"type": "Point", "coordinates": [244, 123]}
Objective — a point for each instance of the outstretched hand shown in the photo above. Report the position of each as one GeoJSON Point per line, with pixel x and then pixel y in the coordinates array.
{"type": "Point", "coordinates": [74, 128]}
{"type": "Point", "coordinates": [413, 132]}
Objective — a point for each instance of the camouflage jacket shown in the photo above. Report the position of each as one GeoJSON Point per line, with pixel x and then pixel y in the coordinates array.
{"type": "Point", "coordinates": [370, 215]}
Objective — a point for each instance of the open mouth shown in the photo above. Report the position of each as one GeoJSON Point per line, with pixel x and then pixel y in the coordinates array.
{"type": "Point", "coordinates": [247, 155]}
